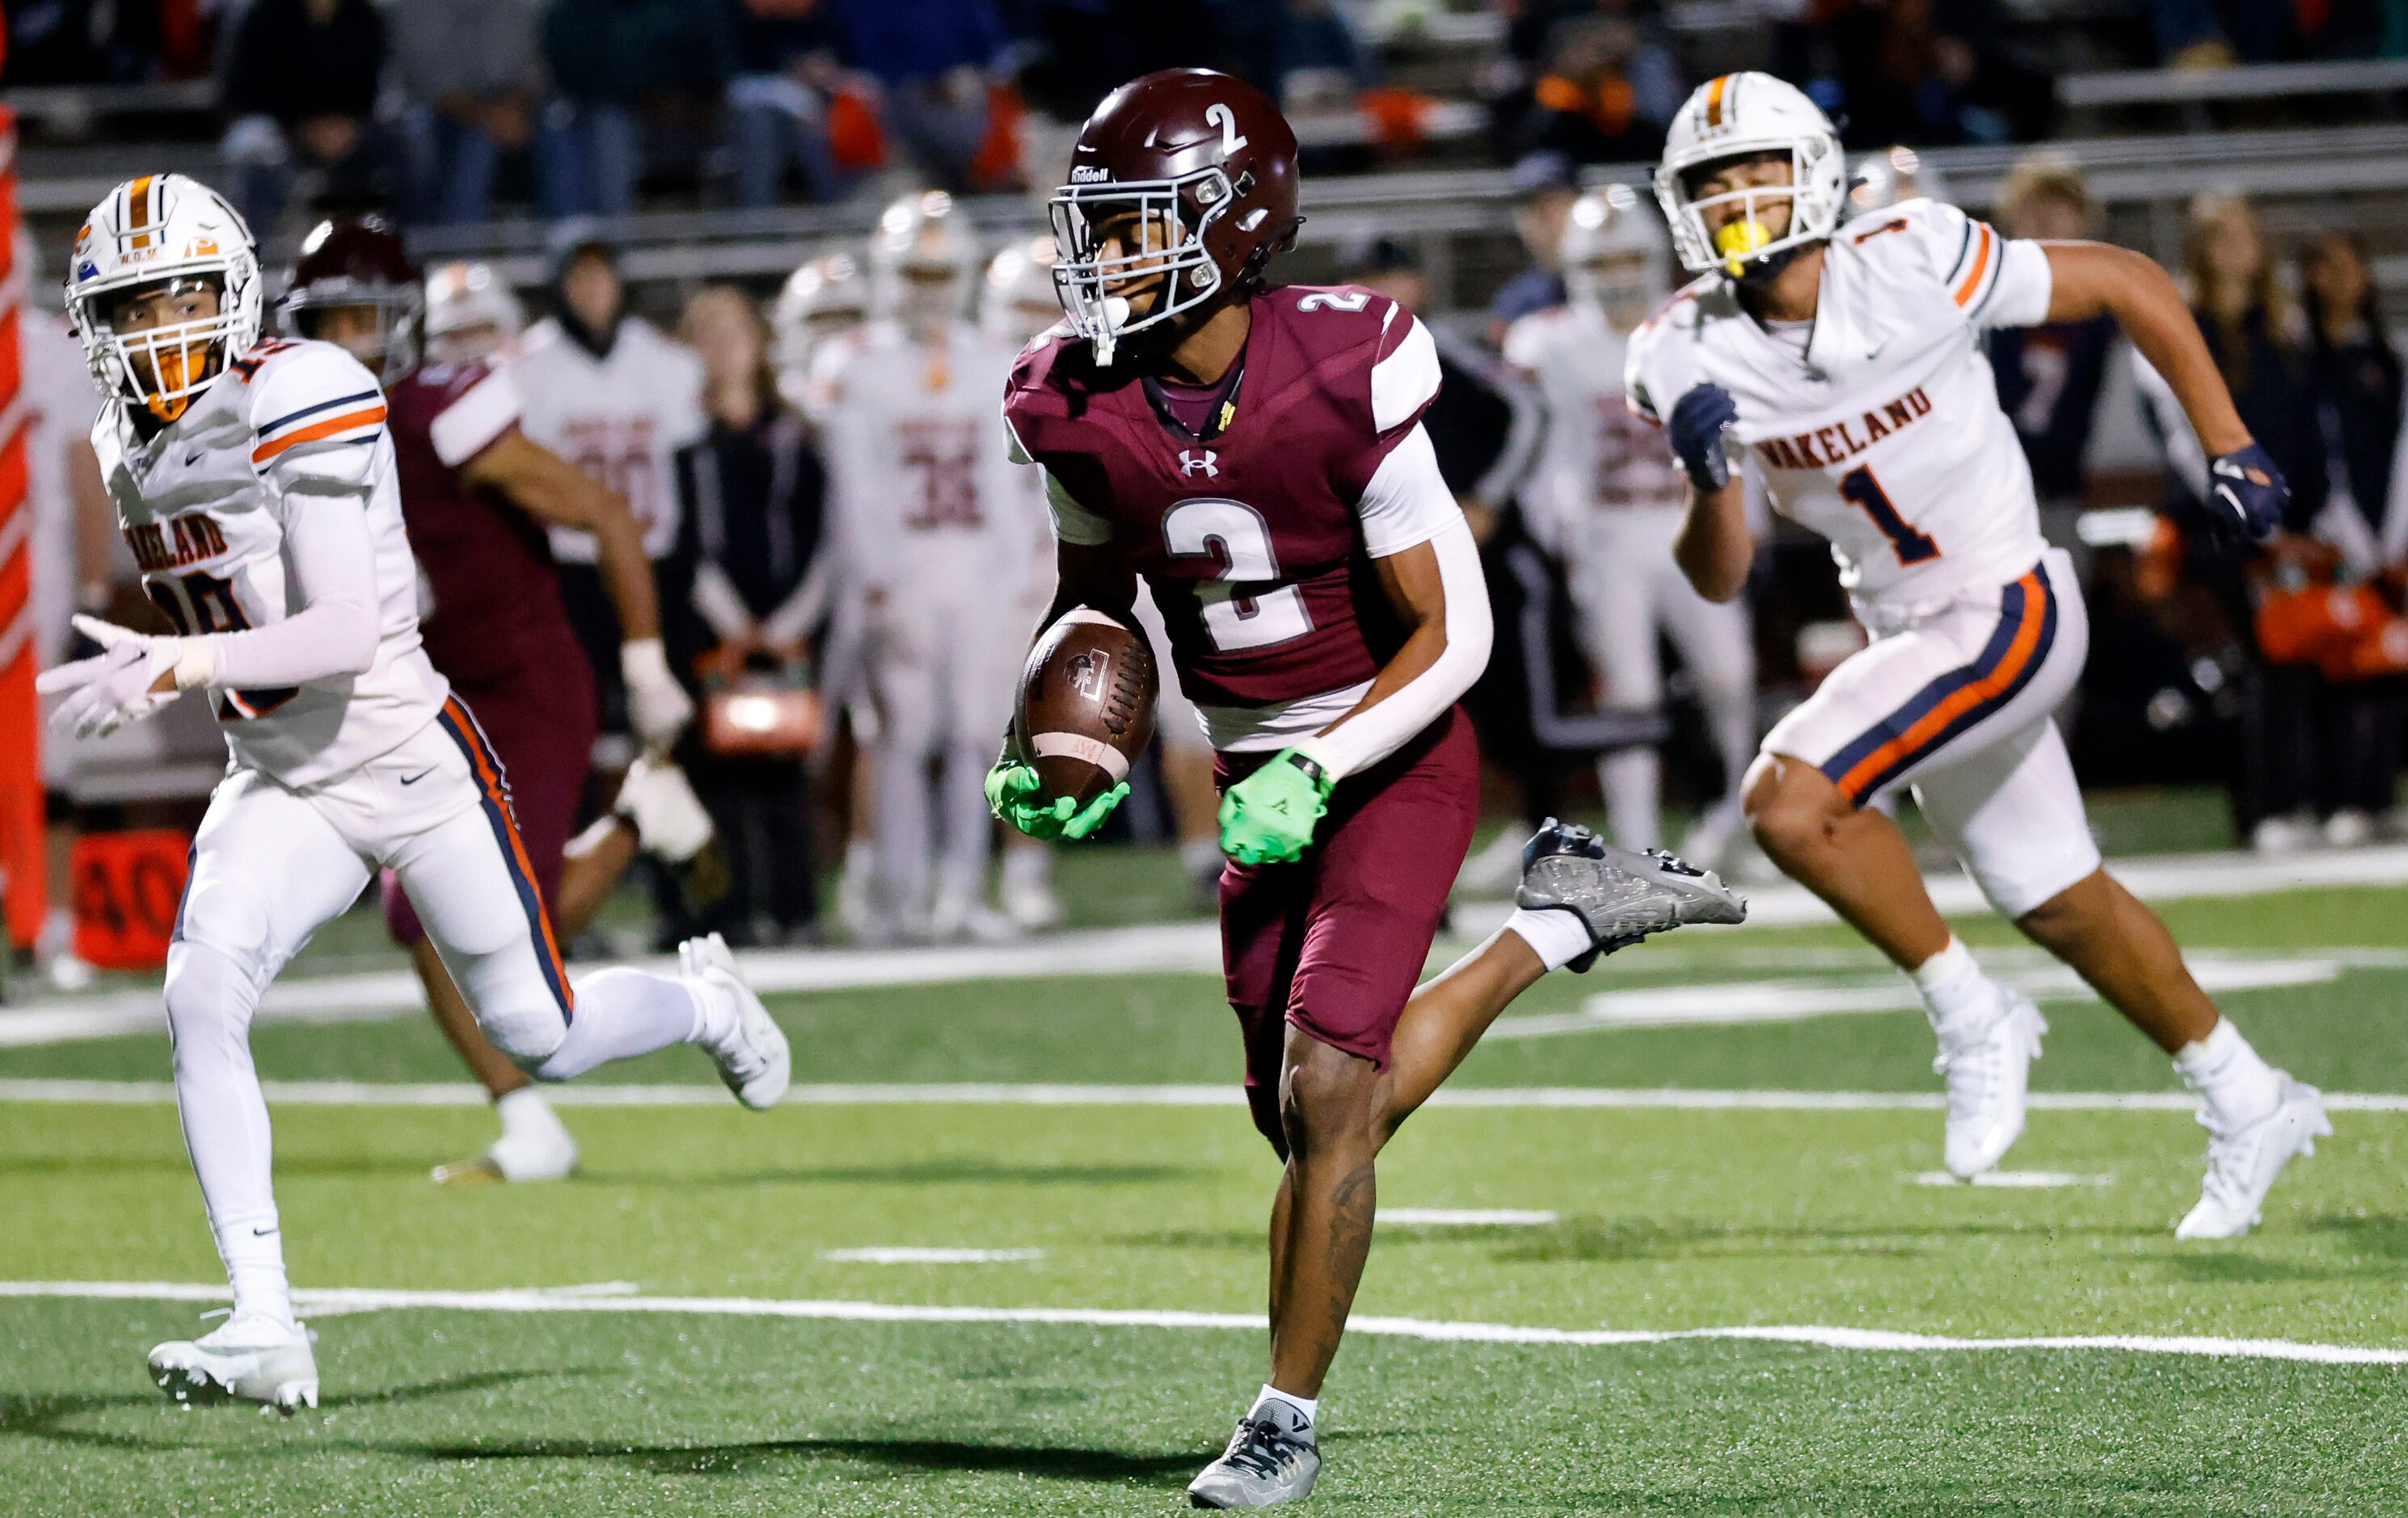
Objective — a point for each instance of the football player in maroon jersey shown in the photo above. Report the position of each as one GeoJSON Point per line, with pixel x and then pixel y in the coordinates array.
{"type": "Point", "coordinates": [1256, 451]}
{"type": "Point", "coordinates": [477, 495]}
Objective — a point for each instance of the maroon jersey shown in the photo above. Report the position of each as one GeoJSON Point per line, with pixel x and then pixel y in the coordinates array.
{"type": "Point", "coordinates": [1249, 534]}
{"type": "Point", "coordinates": [497, 612]}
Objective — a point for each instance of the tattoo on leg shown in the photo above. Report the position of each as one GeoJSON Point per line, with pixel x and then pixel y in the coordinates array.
{"type": "Point", "coordinates": [1352, 1207]}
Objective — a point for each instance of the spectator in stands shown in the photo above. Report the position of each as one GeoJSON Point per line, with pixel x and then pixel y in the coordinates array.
{"type": "Point", "coordinates": [752, 487]}
{"type": "Point", "coordinates": [778, 102]}
{"type": "Point", "coordinates": [1544, 187]}
{"type": "Point", "coordinates": [299, 91]}
{"type": "Point", "coordinates": [2049, 375]}
{"type": "Point", "coordinates": [2218, 34]}
{"type": "Point", "coordinates": [473, 72]}
{"type": "Point", "coordinates": [1584, 106]}
{"type": "Point", "coordinates": [2355, 375]}
{"type": "Point", "coordinates": [2258, 343]}
{"type": "Point", "coordinates": [637, 76]}
{"type": "Point", "coordinates": [931, 60]}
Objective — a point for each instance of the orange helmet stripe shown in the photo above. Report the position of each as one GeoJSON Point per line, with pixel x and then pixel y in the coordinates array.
{"type": "Point", "coordinates": [138, 212]}
{"type": "Point", "coordinates": [1715, 99]}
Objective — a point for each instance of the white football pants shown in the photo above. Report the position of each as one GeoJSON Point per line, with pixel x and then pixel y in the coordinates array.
{"type": "Point", "coordinates": [942, 673]}
{"type": "Point", "coordinates": [1956, 702]}
{"type": "Point", "coordinates": [270, 865]}
{"type": "Point", "coordinates": [1626, 587]}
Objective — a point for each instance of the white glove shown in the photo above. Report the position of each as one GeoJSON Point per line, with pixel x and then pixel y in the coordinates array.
{"type": "Point", "coordinates": [114, 687]}
{"type": "Point", "coordinates": [657, 706]}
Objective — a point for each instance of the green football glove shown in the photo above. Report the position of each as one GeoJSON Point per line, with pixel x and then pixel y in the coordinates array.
{"type": "Point", "coordinates": [1268, 817]}
{"type": "Point", "coordinates": [1012, 793]}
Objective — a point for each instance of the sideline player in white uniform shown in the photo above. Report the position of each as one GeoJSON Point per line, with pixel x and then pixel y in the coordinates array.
{"type": "Point", "coordinates": [1610, 492]}
{"type": "Point", "coordinates": [824, 298]}
{"type": "Point", "coordinates": [608, 392]}
{"type": "Point", "coordinates": [932, 535]}
{"type": "Point", "coordinates": [472, 317]}
{"type": "Point", "coordinates": [1848, 358]}
{"type": "Point", "coordinates": [255, 482]}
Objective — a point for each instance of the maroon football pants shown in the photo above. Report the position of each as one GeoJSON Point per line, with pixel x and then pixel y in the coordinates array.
{"type": "Point", "coordinates": [541, 729]}
{"type": "Point", "coordinates": [1335, 943]}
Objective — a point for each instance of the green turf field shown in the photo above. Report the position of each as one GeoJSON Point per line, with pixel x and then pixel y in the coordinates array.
{"type": "Point", "coordinates": [1103, 1352]}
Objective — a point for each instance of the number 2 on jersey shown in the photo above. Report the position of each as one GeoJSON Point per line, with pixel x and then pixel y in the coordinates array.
{"type": "Point", "coordinates": [1859, 486]}
{"type": "Point", "coordinates": [1234, 535]}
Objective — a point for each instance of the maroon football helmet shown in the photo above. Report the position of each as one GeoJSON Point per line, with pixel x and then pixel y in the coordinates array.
{"type": "Point", "coordinates": [358, 262]}
{"type": "Point", "coordinates": [1181, 188]}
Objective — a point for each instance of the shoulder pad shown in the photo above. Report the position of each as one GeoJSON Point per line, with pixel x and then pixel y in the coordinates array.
{"type": "Point", "coordinates": [307, 393]}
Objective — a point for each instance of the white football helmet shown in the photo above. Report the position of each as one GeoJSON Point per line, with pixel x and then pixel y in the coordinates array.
{"type": "Point", "coordinates": [471, 314]}
{"type": "Point", "coordinates": [1895, 174]}
{"type": "Point", "coordinates": [1615, 255]}
{"type": "Point", "coordinates": [1019, 300]}
{"type": "Point", "coordinates": [922, 258]}
{"type": "Point", "coordinates": [162, 234]}
{"type": "Point", "coordinates": [822, 298]}
{"type": "Point", "coordinates": [1734, 116]}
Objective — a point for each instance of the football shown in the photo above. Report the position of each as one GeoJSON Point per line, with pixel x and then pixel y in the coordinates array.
{"type": "Point", "coordinates": [1086, 704]}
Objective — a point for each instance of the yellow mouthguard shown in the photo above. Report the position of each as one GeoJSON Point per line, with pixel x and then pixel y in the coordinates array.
{"type": "Point", "coordinates": [1738, 239]}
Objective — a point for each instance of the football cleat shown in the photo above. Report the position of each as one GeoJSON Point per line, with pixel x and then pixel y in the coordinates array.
{"type": "Point", "coordinates": [1272, 1459]}
{"type": "Point", "coordinates": [1988, 1068]}
{"type": "Point", "coordinates": [249, 1358]}
{"type": "Point", "coordinates": [2242, 1164]}
{"type": "Point", "coordinates": [1620, 895]}
{"type": "Point", "coordinates": [529, 1155]}
{"type": "Point", "coordinates": [752, 1059]}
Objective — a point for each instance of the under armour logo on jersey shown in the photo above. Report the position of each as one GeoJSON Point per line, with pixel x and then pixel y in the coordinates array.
{"type": "Point", "coordinates": [1198, 461]}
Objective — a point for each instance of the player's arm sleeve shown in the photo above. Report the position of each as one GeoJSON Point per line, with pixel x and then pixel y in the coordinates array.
{"type": "Point", "coordinates": [1407, 506]}
{"type": "Point", "coordinates": [1995, 279]}
{"type": "Point", "coordinates": [318, 419]}
{"type": "Point", "coordinates": [331, 556]}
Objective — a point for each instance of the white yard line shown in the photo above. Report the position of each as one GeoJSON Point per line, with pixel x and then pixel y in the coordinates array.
{"type": "Point", "coordinates": [369, 1094]}
{"type": "Point", "coordinates": [1859, 1340]}
{"type": "Point", "coordinates": [2015, 1180]}
{"type": "Point", "coordinates": [1464, 1217]}
{"type": "Point", "coordinates": [914, 1254]}
{"type": "Point", "coordinates": [1796, 1000]}
{"type": "Point", "coordinates": [1184, 947]}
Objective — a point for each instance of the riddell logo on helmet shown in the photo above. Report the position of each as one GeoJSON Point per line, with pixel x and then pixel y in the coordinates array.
{"type": "Point", "coordinates": [1089, 173]}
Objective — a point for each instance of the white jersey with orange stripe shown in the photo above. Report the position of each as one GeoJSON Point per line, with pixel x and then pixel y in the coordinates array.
{"type": "Point", "coordinates": [1877, 424]}
{"type": "Point", "coordinates": [214, 506]}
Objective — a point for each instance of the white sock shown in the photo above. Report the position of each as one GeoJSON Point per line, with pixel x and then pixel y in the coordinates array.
{"type": "Point", "coordinates": [1309, 1406]}
{"type": "Point", "coordinates": [254, 1262]}
{"type": "Point", "coordinates": [2235, 1085]}
{"type": "Point", "coordinates": [1954, 989]}
{"type": "Point", "coordinates": [525, 1112]}
{"type": "Point", "coordinates": [623, 1012]}
{"type": "Point", "coordinates": [860, 858]}
{"type": "Point", "coordinates": [1557, 936]}
{"type": "Point", "coordinates": [1197, 855]}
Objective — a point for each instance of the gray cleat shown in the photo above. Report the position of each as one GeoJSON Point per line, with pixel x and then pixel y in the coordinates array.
{"type": "Point", "coordinates": [1271, 1459]}
{"type": "Point", "coordinates": [1621, 897]}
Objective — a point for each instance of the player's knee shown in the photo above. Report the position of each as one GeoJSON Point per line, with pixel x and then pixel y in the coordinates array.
{"type": "Point", "coordinates": [1328, 1102]}
{"type": "Point", "coordinates": [1789, 814]}
{"type": "Point", "coordinates": [526, 1025]}
{"type": "Point", "coordinates": [209, 996]}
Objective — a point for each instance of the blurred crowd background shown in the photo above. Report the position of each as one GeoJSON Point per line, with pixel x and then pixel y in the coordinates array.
{"type": "Point", "coordinates": [713, 170]}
